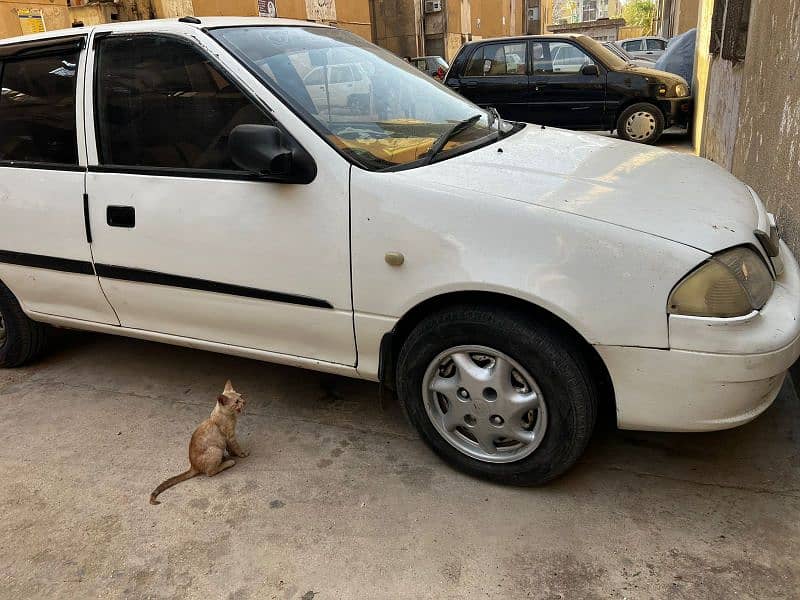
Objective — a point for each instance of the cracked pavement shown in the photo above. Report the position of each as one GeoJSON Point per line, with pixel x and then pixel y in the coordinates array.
{"type": "Point", "coordinates": [340, 499]}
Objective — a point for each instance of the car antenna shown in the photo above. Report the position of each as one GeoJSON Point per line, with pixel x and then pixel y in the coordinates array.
{"type": "Point", "coordinates": [193, 20]}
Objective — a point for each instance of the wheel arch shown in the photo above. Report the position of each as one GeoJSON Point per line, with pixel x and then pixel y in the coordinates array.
{"type": "Point", "coordinates": [393, 340]}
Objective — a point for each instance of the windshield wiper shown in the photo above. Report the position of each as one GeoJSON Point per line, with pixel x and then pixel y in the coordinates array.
{"type": "Point", "coordinates": [455, 129]}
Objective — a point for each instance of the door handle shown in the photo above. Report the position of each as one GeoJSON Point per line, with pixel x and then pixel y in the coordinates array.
{"type": "Point", "coordinates": [121, 216]}
{"type": "Point", "coordinates": [471, 84]}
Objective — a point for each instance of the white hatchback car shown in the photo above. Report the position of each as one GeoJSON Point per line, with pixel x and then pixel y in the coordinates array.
{"type": "Point", "coordinates": [175, 181]}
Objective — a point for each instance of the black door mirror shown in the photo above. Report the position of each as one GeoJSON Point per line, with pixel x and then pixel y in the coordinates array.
{"type": "Point", "coordinates": [590, 70]}
{"type": "Point", "coordinates": [265, 151]}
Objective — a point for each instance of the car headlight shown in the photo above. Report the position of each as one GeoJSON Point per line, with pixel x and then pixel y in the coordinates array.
{"type": "Point", "coordinates": [732, 283]}
{"type": "Point", "coordinates": [681, 90]}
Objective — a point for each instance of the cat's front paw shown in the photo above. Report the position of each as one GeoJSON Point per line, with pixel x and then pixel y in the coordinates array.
{"type": "Point", "coordinates": [243, 454]}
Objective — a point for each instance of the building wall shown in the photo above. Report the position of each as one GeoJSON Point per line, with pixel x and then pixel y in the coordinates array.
{"type": "Point", "coordinates": [397, 26]}
{"type": "Point", "coordinates": [94, 13]}
{"type": "Point", "coordinates": [749, 114]}
{"type": "Point", "coordinates": [496, 18]}
{"type": "Point", "coordinates": [56, 15]}
{"type": "Point", "coordinates": [687, 12]}
{"type": "Point", "coordinates": [353, 15]}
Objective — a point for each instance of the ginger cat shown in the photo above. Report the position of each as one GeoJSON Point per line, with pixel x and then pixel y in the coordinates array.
{"type": "Point", "coordinates": [210, 440]}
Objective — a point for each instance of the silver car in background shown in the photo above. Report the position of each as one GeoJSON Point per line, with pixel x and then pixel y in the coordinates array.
{"type": "Point", "coordinates": [649, 46]}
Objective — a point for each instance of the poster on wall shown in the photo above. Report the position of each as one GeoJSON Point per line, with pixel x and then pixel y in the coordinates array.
{"type": "Point", "coordinates": [267, 8]}
{"type": "Point", "coordinates": [321, 10]}
{"type": "Point", "coordinates": [31, 20]}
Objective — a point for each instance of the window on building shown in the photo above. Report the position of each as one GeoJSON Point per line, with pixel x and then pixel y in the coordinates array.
{"type": "Point", "coordinates": [602, 9]}
{"type": "Point", "coordinates": [589, 10]}
{"type": "Point", "coordinates": [498, 59]}
{"type": "Point", "coordinates": [160, 103]}
{"type": "Point", "coordinates": [37, 109]}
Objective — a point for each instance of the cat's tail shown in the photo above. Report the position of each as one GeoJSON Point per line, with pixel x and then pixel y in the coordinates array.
{"type": "Point", "coordinates": [170, 482]}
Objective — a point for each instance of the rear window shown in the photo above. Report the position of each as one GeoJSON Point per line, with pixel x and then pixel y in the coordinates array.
{"type": "Point", "coordinates": [37, 109]}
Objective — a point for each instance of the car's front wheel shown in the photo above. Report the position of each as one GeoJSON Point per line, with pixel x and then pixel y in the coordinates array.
{"type": "Point", "coordinates": [497, 393]}
{"type": "Point", "coordinates": [642, 122]}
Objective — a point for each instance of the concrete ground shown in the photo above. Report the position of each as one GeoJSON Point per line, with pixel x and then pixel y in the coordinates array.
{"type": "Point", "coordinates": [340, 499]}
{"type": "Point", "coordinates": [674, 138]}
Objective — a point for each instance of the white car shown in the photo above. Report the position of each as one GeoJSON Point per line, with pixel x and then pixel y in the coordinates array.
{"type": "Point", "coordinates": [338, 86]}
{"type": "Point", "coordinates": [174, 181]}
{"type": "Point", "coordinates": [649, 46]}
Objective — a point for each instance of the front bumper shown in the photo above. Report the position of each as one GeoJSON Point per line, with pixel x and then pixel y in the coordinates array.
{"type": "Point", "coordinates": [677, 111]}
{"type": "Point", "coordinates": [718, 373]}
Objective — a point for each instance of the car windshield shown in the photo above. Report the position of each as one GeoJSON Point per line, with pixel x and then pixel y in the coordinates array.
{"type": "Point", "coordinates": [372, 106]}
{"type": "Point", "coordinates": [608, 58]}
{"type": "Point", "coordinates": [612, 47]}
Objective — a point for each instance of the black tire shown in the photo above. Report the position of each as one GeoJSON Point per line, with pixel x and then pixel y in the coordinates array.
{"type": "Point", "coordinates": [24, 339]}
{"type": "Point", "coordinates": [543, 348]}
{"type": "Point", "coordinates": [645, 107]}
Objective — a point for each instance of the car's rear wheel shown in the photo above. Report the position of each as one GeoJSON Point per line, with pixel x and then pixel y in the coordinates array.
{"type": "Point", "coordinates": [21, 339]}
{"type": "Point", "coordinates": [642, 122]}
{"type": "Point", "coordinates": [498, 394]}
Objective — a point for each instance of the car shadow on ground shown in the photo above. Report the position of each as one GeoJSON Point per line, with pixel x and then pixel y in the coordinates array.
{"type": "Point", "coordinates": [761, 455]}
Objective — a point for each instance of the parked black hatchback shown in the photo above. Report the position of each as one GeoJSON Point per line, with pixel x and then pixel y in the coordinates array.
{"type": "Point", "coordinates": [570, 81]}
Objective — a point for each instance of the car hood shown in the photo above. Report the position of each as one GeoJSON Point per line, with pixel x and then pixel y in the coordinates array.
{"type": "Point", "coordinates": [651, 72]}
{"type": "Point", "coordinates": [664, 193]}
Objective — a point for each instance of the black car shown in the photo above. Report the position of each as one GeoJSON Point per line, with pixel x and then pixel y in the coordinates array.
{"type": "Point", "coordinates": [570, 81]}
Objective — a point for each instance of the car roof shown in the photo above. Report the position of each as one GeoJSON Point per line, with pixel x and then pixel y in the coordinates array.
{"type": "Point", "coordinates": [161, 25]}
{"type": "Point", "coordinates": [522, 38]}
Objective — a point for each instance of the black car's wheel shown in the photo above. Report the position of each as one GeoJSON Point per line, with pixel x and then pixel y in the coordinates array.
{"type": "Point", "coordinates": [497, 394]}
{"type": "Point", "coordinates": [642, 122]}
{"type": "Point", "coordinates": [21, 339]}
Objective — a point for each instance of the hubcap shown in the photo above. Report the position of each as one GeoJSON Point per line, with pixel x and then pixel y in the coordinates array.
{"type": "Point", "coordinates": [484, 404]}
{"type": "Point", "coordinates": [640, 126]}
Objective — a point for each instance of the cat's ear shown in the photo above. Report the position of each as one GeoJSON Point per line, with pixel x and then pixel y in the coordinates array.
{"type": "Point", "coordinates": [228, 387]}
{"type": "Point", "coordinates": [223, 399]}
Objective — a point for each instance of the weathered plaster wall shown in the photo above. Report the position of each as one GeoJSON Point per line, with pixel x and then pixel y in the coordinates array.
{"type": "Point", "coordinates": [751, 118]}
{"type": "Point", "coordinates": [722, 112]}
{"type": "Point", "coordinates": [767, 152]}
{"type": "Point", "coordinates": [54, 11]}
{"type": "Point", "coordinates": [395, 26]}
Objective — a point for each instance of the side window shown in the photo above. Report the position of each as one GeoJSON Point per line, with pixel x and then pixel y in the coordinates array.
{"type": "Point", "coordinates": [498, 59]}
{"type": "Point", "coordinates": [341, 75]}
{"type": "Point", "coordinates": [37, 109]}
{"type": "Point", "coordinates": [315, 77]}
{"type": "Point", "coordinates": [161, 103]}
{"type": "Point", "coordinates": [559, 58]}
{"type": "Point", "coordinates": [421, 64]}
{"type": "Point", "coordinates": [655, 45]}
{"type": "Point", "coordinates": [634, 46]}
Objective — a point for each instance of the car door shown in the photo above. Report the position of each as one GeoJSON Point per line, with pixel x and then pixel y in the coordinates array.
{"type": "Point", "coordinates": [185, 242]}
{"type": "Point", "coordinates": [497, 75]}
{"type": "Point", "coordinates": [45, 259]}
{"type": "Point", "coordinates": [315, 85]}
{"type": "Point", "coordinates": [561, 93]}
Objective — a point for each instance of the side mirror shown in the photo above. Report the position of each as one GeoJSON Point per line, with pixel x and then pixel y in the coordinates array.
{"type": "Point", "coordinates": [590, 70]}
{"type": "Point", "coordinates": [265, 151]}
